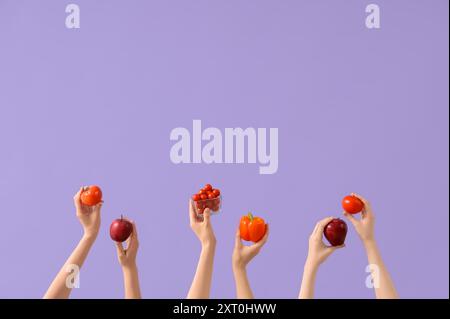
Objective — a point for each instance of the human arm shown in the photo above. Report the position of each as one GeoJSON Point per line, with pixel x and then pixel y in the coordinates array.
{"type": "Point", "coordinates": [201, 284]}
{"type": "Point", "coordinates": [318, 252]}
{"type": "Point", "coordinates": [242, 255]}
{"type": "Point", "coordinates": [89, 217]}
{"type": "Point", "coordinates": [127, 260]}
{"type": "Point", "coordinates": [365, 227]}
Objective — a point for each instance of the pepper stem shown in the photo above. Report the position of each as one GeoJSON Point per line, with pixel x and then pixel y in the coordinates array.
{"type": "Point", "coordinates": [250, 216]}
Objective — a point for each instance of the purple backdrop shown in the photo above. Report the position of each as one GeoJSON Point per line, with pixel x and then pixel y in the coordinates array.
{"type": "Point", "coordinates": [357, 110]}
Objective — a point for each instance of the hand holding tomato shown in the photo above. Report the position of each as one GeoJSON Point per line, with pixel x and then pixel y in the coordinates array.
{"type": "Point", "coordinates": [89, 216]}
{"type": "Point", "coordinates": [242, 254]}
{"type": "Point", "coordinates": [365, 226]}
{"type": "Point", "coordinates": [201, 226]}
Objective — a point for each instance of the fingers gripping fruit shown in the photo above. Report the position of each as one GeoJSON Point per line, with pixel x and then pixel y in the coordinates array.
{"type": "Point", "coordinates": [91, 196]}
{"type": "Point", "coordinates": [207, 197]}
{"type": "Point", "coordinates": [252, 228]}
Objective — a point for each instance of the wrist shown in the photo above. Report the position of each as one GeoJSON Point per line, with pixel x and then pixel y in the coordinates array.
{"type": "Point", "coordinates": [90, 236]}
{"type": "Point", "coordinates": [209, 244]}
{"type": "Point", "coordinates": [239, 267]}
{"type": "Point", "coordinates": [311, 266]}
{"type": "Point", "coordinates": [239, 271]}
{"type": "Point", "coordinates": [130, 267]}
{"type": "Point", "coordinates": [369, 243]}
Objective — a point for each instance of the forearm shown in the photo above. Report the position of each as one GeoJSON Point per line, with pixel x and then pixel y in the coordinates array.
{"type": "Point", "coordinates": [243, 290]}
{"type": "Point", "coordinates": [383, 285]}
{"type": "Point", "coordinates": [131, 282]}
{"type": "Point", "coordinates": [201, 284]}
{"type": "Point", "coordinates": [59, 288]}
{"type": "Point", "coordinates": [308, 281]}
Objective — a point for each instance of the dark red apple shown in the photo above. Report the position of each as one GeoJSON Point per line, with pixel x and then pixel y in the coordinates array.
{"type": "Point", "coordinates": [335, 232]}
{"type": "Point", "coordinates": [120, 230]}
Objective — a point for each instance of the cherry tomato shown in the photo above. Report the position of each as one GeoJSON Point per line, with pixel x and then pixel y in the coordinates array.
{"type": "Point", "coordinates": [91, 196]}
{"type": "Point", "coordinates": [252, 228]}
{"type": "Point", "coordinates": [352, 204]}
{"type": "Point", "coordinates": [201, 211]}
{"type": "Point", "coordinates": [200, 205]}
{"type": "Point", "coordinates": [207, 188]}
{"type": "Point", "coordinates": [203, 197]}
{"type": "Point", "coordinates": [211, 195]}
{"type": "Point", "coordinates": [216, 192]}
{"type": "Point", "coordinates": [215, 208]}
{"type": "Point", "coordinates": [201, 192]}
{"type": "Point", "coordinates": [196, 197]}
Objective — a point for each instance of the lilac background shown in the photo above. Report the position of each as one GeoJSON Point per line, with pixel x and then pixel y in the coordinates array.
{"type": "Point", "coordinates": [357, 110]}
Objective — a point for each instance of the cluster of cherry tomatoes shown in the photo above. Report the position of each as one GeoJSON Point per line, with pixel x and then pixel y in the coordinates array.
{"type": "Point", "coordinates": [207, 197]}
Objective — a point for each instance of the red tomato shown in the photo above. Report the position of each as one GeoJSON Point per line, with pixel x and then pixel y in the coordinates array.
{"type": "Point", "coordinates": [352, 204]}
{"type": "Point", "coordinates": [201, 192]}
{"type": "Point", "coordinates": [215, 208]}
{"type": "Point", "coordinates": [196, 197]}
{"type": "Point", "coordinates": [252, 228]}
{"type": "Point", "coordinates": [200, 205]}
{"type": "Point", "coordinates": [216, 192]}
{"type": "Point", "coordinates": [207, 188]}
{"type": "Point", "coordinates": [201, 211]}
{"type": "Point", "coordinates": [91, 196]}
{"type": "Point", "coordinates": [211, 195]}
{"type": "Point", "coordinates": [203, 197]}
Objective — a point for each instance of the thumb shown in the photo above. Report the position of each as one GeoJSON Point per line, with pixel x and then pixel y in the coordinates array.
{"type": "Point", "coordinates": [120, 250]}
{"type": "Point", "coordinates": [332, 249]}
{"type": "Point", "coordinates": [207, 216]}
{"type": "Point", "coordinates": [77, 198]}
{"type": "Point", "coordinates": [237, 241]}
{"type": "Point", "coordinates": [350, 218]}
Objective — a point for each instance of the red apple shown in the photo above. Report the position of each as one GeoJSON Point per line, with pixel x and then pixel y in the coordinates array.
{"type": "Point", "coordinates": [335, 232]}
{"type": "Point", "coordinates": [120, 230]}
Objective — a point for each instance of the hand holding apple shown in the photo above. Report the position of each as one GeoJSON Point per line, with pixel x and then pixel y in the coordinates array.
{"type": "Point", "coordinates": [89, 216]}
{"type": "Point", "coordinates": [318, 252]}
{"type": "Point", "coordinates": [242, 254]}
{"type": "Point", "coordinates": [366, 224]}
{"type": "Point", "coordinates": [127, 256]}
